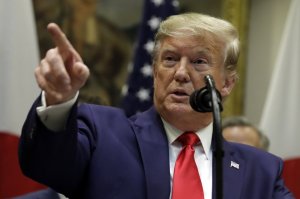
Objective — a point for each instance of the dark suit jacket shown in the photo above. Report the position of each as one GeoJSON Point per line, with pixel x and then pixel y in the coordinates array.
{"type": "Point", "coordinates": [103, 154]}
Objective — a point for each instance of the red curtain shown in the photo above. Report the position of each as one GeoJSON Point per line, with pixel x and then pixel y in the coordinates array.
{"type": "Point", "coordinates": [291, 175]}
{"type": "Point", "coordinates": [12, 181]}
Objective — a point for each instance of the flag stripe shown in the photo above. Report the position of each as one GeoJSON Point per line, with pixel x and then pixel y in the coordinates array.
{"type": "Point", "coordinates": [18, 58]}
{"type": "Point", "coordinates": [280, 115]}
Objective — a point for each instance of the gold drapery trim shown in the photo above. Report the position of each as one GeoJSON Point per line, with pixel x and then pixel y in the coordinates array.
{"type": "Point", "coordinates": [237, 12]}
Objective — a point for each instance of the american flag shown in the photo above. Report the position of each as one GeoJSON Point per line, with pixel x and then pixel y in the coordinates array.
{"type": "Point", "coordinates": [139, 89]}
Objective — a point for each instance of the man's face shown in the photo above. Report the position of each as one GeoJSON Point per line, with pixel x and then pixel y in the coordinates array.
{"type": "Point", "coordinates": [179, 70]}
{"type": "Point", "coordinates": [242, 134]}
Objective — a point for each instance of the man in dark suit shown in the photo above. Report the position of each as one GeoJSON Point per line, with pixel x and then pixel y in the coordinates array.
{"type": "Point", "coordinates": [90, 151]}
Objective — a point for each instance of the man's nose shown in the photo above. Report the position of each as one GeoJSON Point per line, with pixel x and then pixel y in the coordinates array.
{"type": "Point", "coordinates": [182, 72]}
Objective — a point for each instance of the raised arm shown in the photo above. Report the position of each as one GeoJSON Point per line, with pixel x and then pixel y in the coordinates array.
{"type": "Point", "coordinates": [47, 157]}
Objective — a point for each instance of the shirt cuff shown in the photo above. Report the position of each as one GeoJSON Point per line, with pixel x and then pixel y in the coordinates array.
{"type": "Point", "coordinates": [54, 117]}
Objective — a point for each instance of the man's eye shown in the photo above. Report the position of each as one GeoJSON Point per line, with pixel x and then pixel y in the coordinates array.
{"type": "Point", "coordinates": [199, 61]}
{"type": "Point", "coordinates": [200, 64]}
{"type": "Point", "coordinates": [169, 60]}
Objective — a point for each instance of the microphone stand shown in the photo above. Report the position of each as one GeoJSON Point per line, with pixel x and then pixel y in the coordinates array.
{"type": "Point", "coordinates": [208, 99]}
{"type": "Point", "coordinates": [217, 133]}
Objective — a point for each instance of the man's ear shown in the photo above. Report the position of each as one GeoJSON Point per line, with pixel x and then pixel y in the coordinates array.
{"type": "Point", "coordinates": [228, 85]}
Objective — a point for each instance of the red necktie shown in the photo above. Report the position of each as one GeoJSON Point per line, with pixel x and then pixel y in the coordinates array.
{"type": "Point", "coordinates": [186, 180]}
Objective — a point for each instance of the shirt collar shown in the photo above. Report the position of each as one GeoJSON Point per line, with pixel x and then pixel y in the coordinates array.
{"type": "Point", "coordinates": [205, 135]}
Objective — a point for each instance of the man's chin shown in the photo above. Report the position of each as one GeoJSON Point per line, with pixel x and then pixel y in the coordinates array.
{"type": "Point", "coordinates": [179, 108]}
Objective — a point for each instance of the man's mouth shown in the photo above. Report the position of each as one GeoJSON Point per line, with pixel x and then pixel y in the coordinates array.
{"type": "Point", "coordinates": [180, 93]}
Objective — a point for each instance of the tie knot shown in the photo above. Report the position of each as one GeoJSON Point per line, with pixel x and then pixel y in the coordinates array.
{"type": "Point", "coordinates": [188, 138]}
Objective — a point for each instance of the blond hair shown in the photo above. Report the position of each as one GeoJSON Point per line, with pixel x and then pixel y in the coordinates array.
{"type": "Point", "coordinates": [195, 24]}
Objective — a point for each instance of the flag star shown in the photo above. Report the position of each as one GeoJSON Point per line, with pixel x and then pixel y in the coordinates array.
{"type": "Point", "coordinates": [149, 46]}
{"type": "Point", "coordinates": [130, 67]}
{"type": "Point", "coordinates": [154, 22]}
{"type": "Point", "coordinates": [124, 90]}
{"type": "Point", "coordinates": [158, 2]}
{"type": "Point", "coordinates": [146, 70]}
{"type": "Point", "coordinates": [175, 3]}
{"type": "Point", "coordinates": [143, 94]}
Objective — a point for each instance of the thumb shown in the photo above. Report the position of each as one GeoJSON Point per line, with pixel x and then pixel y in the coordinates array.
{"type": "Point", "coordinates": [79, 74]}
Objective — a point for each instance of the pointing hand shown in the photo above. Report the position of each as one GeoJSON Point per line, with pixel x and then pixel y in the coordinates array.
{"type": "Point", "coordinates": [62, 72]}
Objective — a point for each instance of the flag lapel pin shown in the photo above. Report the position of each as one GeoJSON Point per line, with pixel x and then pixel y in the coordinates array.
{"type": "Point", "coordinates": [234, 165]}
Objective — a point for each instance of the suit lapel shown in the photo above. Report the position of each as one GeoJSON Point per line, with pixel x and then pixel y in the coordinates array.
{"type": "Point", "coordinates": [154, 149]}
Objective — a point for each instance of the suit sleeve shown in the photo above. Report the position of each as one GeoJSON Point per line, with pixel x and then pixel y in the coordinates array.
{"type": "Point", "coordinates": [56, 159]}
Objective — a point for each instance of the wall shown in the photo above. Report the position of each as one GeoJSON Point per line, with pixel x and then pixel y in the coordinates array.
{"type": "Point", "coordinates": [267, 20]}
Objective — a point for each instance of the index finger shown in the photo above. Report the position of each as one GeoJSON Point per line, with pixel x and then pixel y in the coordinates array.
{"type": "Point", "coordinates": [59, 38]}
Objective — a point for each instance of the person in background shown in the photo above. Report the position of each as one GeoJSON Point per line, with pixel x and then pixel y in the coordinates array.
{"type": "Point", "coordinates": [239, 129]}
{"type": "Point", "coordinates": [92, 151]}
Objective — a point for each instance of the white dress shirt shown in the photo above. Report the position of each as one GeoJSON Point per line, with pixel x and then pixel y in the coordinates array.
{"type": "Point", "coordinates": [203, 155]}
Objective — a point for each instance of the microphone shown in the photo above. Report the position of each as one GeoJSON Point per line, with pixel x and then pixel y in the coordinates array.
{"type": "Point", "coordinates": [201, 100]}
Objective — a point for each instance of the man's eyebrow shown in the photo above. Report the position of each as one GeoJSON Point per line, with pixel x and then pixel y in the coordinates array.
{"type": "Point", "coordinates": [206, 51]}
{"type": "Point", "coordinates": [168, 51]}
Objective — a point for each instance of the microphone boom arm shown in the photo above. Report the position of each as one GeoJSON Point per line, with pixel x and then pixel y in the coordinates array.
{"type": "Point", "coordinates": [217, 132]}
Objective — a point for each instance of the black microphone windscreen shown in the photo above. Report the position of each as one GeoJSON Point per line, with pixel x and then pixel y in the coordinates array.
{"type": "Point", "coordinates": [200, 100]}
